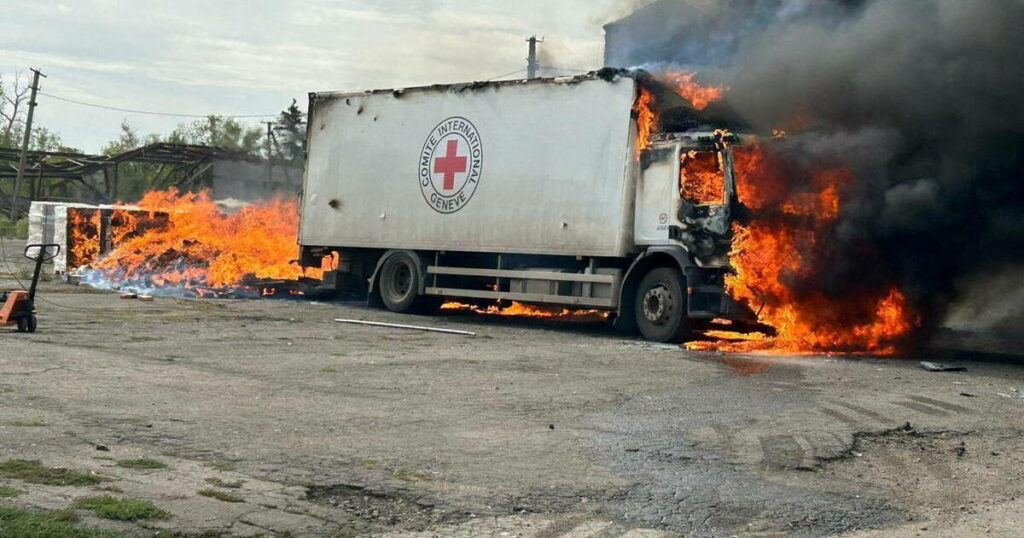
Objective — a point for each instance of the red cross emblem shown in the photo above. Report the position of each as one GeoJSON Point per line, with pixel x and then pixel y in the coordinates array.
{"type": "Point", "coordinates": [451, 164]}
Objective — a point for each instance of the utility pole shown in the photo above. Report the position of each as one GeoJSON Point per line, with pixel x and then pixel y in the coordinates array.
{"type": "Point", "coordinates": [532, 65]}
{"type": "Point", "coordinates": [24, 143]}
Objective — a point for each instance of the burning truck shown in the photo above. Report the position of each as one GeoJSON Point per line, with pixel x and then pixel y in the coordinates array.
{"type": "Point", "coordinates": [564, 192]}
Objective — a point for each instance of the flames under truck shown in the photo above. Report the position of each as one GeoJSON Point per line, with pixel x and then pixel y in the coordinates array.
{"type": "Point", "coordinates": [534, 191]}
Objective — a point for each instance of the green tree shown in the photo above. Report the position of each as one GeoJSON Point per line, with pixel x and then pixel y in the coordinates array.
{"type": "Point", "coordinates": [218, 131]}
{"type": "Point", "coordinates": [290, 135]}
{"type": "Point", "coordinates": [133, 178]}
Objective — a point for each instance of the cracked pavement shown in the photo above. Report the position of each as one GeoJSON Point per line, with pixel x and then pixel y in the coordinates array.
{"type": "Point", "coordinates": [531, 428]}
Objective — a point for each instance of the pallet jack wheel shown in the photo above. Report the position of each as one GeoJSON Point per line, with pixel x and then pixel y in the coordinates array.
{"type": "Point", "coordinates": [27, 324]}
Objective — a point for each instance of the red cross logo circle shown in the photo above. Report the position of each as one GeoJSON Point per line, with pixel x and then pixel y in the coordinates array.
{"type": "Point", "coordinates": [451, 164]}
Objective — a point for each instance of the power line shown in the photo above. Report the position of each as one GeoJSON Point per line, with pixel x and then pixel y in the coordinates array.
{"type": "Point", "coordinates": [151, 113]}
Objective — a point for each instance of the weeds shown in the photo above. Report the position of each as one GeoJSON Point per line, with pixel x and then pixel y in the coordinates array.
{"type": "Point", "coordinates": [221, 496]}
{"type": "Point", "coordinates": [35, 472]}
{"type": "Point", "coordinates": [142, 463]}
{"type": "Point", "coordinates": [7, 491]}
{"type": "Point", "coordinates": [222, 465]}
{"type": "Point", "coordinates": [18, 523]}
{"type": "Point", "coordinates": [29, 424]}
{"type": "Point", "coordinates": [121, 509]}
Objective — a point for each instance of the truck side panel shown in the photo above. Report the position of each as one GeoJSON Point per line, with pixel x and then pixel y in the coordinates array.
{"type": "Point", "coordinates": [552, 167]}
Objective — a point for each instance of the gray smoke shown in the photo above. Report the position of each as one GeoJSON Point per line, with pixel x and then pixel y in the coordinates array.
{"type": "Point", "coordinates": [920, 99]}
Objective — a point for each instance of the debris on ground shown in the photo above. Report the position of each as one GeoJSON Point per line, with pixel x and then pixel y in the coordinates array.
{"type": "Point", "coordinates": [402, 326]}
{"type": "Point", "coordinates": [941, 367]}
{"type": "Point", "coordinates": [1014, 394]}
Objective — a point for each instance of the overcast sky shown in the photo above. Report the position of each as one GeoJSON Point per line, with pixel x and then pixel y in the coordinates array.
{"type": "Point", "coordinates": [253, 56]}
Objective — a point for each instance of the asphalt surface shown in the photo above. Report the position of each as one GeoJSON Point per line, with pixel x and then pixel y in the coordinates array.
{"type": "Point", "coordinates": [529, 428]}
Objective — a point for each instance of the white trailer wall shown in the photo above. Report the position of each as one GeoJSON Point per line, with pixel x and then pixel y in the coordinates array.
{"type": "Point", "coordinates": [556, 168]}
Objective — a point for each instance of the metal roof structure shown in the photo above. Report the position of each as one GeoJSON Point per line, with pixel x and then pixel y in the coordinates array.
{"type": "Point", "coordinates": [55, 164]}
{"type": "Point", "coordinates": [180, 165]}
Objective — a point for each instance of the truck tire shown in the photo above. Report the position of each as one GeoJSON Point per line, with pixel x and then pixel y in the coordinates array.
{"type": "Point", "coordinates": [661, 306]}
{"type": "Point", "coordinates": [400, 285]}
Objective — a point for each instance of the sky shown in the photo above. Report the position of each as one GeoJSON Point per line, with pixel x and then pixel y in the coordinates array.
{"type": "Point", "coordinates": [234, 57]}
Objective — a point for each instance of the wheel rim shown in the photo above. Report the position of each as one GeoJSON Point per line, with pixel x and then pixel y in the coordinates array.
{"type": "Point", "coordinates": [657, 307]}
{"type": "Point", "coordinates": [399, 281]}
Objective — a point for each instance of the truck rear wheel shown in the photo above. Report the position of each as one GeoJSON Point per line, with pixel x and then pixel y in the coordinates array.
{"type": "Point", "coordinates": [400, 285]}
{"type": "Point", "coordinates": [661, 306]}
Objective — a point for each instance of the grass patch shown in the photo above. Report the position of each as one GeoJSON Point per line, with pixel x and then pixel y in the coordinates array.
{"type": "Point", "coordinates": [144, 338]}
{"type": "Point", "coordinates": [329, 370]}
{"type": "Point", "coordinates": [113, 489]}
{"type": "Point", "coordinates": [29, 423]}
{"type": "Point", "coordinates": [369, 464]}
{"type": "Point", "coordinates": [141, 463]}
{"type": "Point", "coordinates": [35, 472]}
{"type": "Point", "coordinates": [209, 533]}
{"type": "Point", "coordinates": [234, 484]}
{"type": "Point", "coordinates": [410, 476]}
{"type": "Point", "coordinates": [7, 491]}
{"type": "Point", "coordinates": [121, 508]}
{"type": "Point", "coordinates": [221, 496]}
{"type": "Point", "coordinates": [18, 523]}
{"type": "Point", "coordinates": [222, 465]}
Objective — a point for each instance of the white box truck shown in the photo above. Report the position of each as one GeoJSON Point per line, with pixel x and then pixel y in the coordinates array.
{"type": "Point", "coordinates": [530, 190]}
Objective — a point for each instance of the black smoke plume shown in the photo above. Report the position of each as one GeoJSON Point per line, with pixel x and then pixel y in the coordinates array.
{"type": "Point", "coordinates": [922, 101]}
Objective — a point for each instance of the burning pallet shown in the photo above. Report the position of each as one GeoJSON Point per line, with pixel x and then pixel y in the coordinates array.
{"type": "Point", "coordinates": [179, 244]}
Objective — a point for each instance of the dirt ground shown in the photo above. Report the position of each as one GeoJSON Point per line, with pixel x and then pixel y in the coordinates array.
{"type": "Point", "coordinates": [301, 426]}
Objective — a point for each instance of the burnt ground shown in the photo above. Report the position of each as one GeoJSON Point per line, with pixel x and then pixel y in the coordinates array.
{"type": "Point", "coordinates": [530, 428]}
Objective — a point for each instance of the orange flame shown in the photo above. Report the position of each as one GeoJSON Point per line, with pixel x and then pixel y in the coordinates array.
{"type": "Point", "coordinates": [198, 245]}
{"type": "Point", "coordinates": [701, 177]}
{"type": "Point", "coordinates": [778, 249]}
{"type": "Point", "coordinates": [684, 85]}
{"type": "Point", "coordinates": [681, 83]}
{"type": "Point", "coordinates": [645, 118]}
{"type": "Point", "coordinates": [84, 235]}
{"type": "Point", "coordinates": [523, 310]}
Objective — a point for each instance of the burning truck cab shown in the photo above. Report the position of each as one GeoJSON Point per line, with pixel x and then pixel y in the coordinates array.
{"type": "Point", "coordinates": [599, 192]}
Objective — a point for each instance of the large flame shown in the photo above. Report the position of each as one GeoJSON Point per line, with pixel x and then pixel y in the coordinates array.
{"type": "Point", "coordinates": [784, 248]}
{"type": "Point", "coordinates": [645, 118]}
{"type": "Point", "coordinates": [702, 179]}
{"type": "Point", "coordinates": [684, 84]}
{"type": "Point", "coordinates": [83, 235]}
{"type": "Point", "coordinates": [185, 240]}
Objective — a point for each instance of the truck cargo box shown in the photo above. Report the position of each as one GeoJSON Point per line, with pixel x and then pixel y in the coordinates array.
{"type": "Point", "coordinates": [535, 167]}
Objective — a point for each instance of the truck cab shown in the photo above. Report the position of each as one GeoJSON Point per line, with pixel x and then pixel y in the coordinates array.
{"type": "Point", "coordinates": [685, 191]}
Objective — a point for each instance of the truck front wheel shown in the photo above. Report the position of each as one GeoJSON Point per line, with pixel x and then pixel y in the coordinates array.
{"type": "Point", "coordinates": [661, 306]}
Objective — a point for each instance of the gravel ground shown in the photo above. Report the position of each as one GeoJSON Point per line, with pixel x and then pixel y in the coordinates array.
{"type": "Point", "coordinates": [530, 428]}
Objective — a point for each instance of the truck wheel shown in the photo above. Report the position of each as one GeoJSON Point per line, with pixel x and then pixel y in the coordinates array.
{"type": "Point", "coordinates": [400, 285]}
{"type": "Point", "coordinates": [661, 306]}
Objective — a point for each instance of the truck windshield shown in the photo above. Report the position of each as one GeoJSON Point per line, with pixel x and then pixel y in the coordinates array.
{"type": "Point", "coordinates": [701, 177]}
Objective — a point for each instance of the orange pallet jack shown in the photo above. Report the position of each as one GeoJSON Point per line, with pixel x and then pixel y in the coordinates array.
{"type": "Point", "coordinates": [20, 305]}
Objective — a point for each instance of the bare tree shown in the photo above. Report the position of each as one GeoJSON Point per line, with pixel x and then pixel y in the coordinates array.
{"type": "Point", "coordinates": [12, 98]}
